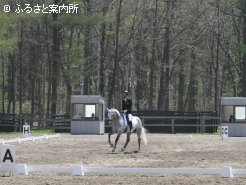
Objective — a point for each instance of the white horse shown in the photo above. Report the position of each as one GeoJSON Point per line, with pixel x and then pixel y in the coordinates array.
{"type": "Point", "coordinates": [119, 127]}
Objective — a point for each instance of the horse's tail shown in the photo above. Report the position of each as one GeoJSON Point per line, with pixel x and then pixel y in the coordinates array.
{"type": "Point", "coordinates": [143, 135]}
{"type": "Point", "coordinates": [142, 132]}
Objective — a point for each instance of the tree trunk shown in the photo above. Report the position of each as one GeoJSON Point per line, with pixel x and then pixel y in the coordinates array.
{"type": "Point", "coordinates": [3, 82]}
{"type": "Point", "coordinates": [181, 86]}
{"type": "Point", "coordinates": [33, 75]}
{"type": "Point", "coordinates": [87, 52]}
{"type": "Point", "coordinates": [56, 60]}
{"type": "Point", "coordinates": [11, 83]}
{"type": "Point", "coordinates": [163, 100]}
{"type": "Point", "coordinates": [140, 60]}
{"type": "Point", "coordinates": [152, 63]}
{"type": "Point", "coordinates": [68, 77]}
{"type": "Point", "coordinates": [192, 89]}
{"type": "Point", "coordinates": [102, 53]}
{"type": "Point", "coordinates": [243, 83]}
{"type": "Point", "coordinates": [112, 93]}
{"type": "Point", "coordinates": [49, 64]}
{"type": "Point", "coordinates": [216, 89]}
{"type": "Point", "coordinates": [20, 79]}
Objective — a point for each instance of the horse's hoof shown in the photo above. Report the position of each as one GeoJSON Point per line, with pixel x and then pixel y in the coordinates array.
{"type": "Point", "coordinates": [113, 151]}
{"type": "Point", "coordinates": [123, 150]}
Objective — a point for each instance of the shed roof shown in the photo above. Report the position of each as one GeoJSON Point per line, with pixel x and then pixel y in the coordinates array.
{"type": "Point", "coordinates": [87, 99]}
{"type": "Point", "coordinates": [233, 101]}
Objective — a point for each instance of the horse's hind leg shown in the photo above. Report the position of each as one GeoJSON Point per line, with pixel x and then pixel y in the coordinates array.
{"type": "Point", "coordinates": [139, 138]}
{"type": "Point", "coordinates": [109, 140]}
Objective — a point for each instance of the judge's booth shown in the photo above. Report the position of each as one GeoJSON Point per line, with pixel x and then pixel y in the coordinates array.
{"type": "Point", "coordinates": [233, 115]}
{"type": "Point", "coordinates": [87, 114]}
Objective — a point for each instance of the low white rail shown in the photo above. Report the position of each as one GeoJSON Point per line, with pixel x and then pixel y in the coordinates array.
{"type": "Point", "coordinates": [79, 170]}
{"type": "Point", "coordinates": [31, 138]}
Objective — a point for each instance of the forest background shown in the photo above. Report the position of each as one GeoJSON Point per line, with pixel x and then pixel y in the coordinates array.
{"type": "Point", "coordinates": [171, 55]}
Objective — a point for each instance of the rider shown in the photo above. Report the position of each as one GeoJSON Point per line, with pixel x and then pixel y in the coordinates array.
{"type": "Point", "coordinates": [127, 108]}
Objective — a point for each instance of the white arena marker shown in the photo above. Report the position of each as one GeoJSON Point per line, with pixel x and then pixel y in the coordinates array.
{"type": "Point", "coordinates": [26, 130]}
{"type": "Point", "coordinates": [224, 132]}
{"type": "Point", "coordinates": [2, 141]}
{"type": "Point", "coordinates": [21, 169]}
{"type": "Point", "coordinates": [8, 158]}
{"type": "Point", "coordinates": [226, 172]}
{"type": "Point", "coordinates": [78, 171]}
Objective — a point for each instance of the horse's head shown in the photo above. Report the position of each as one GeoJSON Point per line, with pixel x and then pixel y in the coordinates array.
{"type": "Point", "coordinates": [113, 114]}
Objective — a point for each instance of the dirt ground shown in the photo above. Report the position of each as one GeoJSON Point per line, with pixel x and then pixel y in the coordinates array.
{"type": "Point", "coordinates": [162, 150]}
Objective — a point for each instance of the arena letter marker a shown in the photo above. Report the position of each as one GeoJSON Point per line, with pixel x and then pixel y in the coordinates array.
{"type": "Point", "coordinates": [8, 155]}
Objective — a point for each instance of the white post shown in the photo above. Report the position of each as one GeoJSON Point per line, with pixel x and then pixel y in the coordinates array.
{"type": "Point", "coordinates": [26, 130]}
{"type": "Point", "coordinates": [224, 132]}
{"type": "Point", "coordinates": [78, 171]}
{"type": "Point", "coordinates": [8, 156]}
{"type": "Point", "coordinates": [226, 172]}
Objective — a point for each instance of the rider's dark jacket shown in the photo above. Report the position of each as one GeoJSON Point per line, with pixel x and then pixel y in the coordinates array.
{"type": "Point", "coordinates": [127, 105]}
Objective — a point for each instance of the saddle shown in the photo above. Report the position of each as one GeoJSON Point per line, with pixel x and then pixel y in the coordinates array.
{"type": "Point", "coordinates": [123, 120]}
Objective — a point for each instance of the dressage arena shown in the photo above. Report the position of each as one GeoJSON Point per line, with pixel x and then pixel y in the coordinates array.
{"type": "Point", "coordinates": [162, 151]}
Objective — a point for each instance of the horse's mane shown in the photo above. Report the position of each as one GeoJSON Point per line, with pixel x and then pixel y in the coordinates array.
{"type": "Point", "coordinates": [116, 111]}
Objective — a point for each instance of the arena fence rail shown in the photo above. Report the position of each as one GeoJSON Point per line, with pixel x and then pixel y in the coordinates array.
{"type": "Point", "coordinates": [79, 170]}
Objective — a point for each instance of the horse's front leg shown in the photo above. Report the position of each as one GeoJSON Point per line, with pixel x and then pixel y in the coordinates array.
{"type": "Point", "coordinates": [127, 141]}
{"type": "Point", "coordinates": [116, 141]}
{"type": "Point", "coordinates": [109, 140]}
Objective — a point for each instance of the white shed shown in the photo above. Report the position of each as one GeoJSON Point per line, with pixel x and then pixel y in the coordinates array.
{"type": "Point", "coordinates": [87, 114]}
{"type": "Point", "coordinates": [233, 115]}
